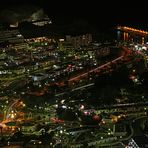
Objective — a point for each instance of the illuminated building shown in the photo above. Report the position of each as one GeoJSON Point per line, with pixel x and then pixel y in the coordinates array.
{"type": "Point", "coordinates": [42, 22]}
{"type": "Point", "coordinates": [11, 36]}
{"type": "Point", "coordinates": [131, 34]}
{"type": "Point", "coordinates": [13, 39]}
{"type": "Point", "coordinates": [79, 41]}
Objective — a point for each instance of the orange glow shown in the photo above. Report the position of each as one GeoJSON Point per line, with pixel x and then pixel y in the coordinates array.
{"type": "Point", "coordinates": [124, 28]}
{"type": "Point", "coordinates": [56, 120]}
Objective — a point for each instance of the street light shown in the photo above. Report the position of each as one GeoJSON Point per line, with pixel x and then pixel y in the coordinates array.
{"type": "Point", "coordinates": [12, 114]}
{"type": "Point", "coordinates": [61, 132]}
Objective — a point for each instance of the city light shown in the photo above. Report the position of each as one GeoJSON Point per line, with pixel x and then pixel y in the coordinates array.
{"type": "Point", "coordinates": [72, 89]}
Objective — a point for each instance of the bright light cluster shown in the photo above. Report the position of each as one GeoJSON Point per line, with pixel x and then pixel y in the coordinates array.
{"type": "Point", "coordinates": [132, 29]}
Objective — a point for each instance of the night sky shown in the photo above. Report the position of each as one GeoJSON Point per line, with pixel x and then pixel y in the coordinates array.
{"type": "Point", "coordinates": [103, 13]}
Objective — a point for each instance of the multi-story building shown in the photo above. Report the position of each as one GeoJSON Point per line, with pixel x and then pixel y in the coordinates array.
{"type": "Point", "coordinates": [11, 36]}
{"type": "Point", "coordinates": [79, 41]}
{"type": "Point", "coordinates": [13, 39]}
